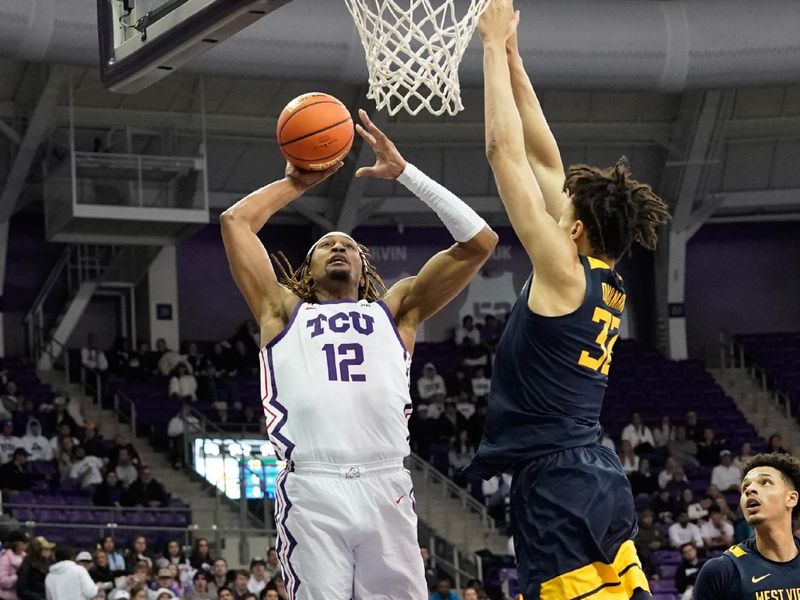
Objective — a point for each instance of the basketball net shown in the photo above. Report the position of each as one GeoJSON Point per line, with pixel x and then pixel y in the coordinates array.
{"type": "Point", "coordinates": [414, 49]}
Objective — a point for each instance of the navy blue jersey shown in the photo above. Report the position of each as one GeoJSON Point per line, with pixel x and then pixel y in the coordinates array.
{"type": "Point", "coordinates": [741, 573]}
{"type": "Point", "coordinates": [550, 375]}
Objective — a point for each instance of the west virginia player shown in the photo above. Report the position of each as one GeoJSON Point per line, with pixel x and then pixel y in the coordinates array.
{"type": "Point", "coordinates": [572, 510]}
{"type": "Point", "coordinates": [766, 566]}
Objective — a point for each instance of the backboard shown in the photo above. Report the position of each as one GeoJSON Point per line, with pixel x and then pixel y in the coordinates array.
{"type": "Point", "coordinates": [142, 41]}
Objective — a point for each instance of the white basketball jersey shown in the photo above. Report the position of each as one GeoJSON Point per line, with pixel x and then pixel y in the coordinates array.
{"type": "Point", "coordinates": [334, 385]}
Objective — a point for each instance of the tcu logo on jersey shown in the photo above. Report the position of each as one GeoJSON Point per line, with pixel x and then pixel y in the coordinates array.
{"type": "Point", "coordinates": [341, 322]}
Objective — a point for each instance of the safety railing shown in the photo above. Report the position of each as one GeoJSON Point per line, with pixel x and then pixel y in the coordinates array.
{"type": "Point", "coordinates": [734, 355]}
{"type": "Point", "coordinates": [92, 381]}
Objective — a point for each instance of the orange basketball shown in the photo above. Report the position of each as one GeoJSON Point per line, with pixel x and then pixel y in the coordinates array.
{"type": "Point", "coordinates": [315, 131]}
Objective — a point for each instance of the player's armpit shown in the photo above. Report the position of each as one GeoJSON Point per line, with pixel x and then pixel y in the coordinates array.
{"type": "Point", "coordinates": [442, 278]}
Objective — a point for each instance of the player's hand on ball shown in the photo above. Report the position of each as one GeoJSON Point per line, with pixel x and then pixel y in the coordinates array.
{"type": "Point", "coordinates": [309, 179]}
{"type": "Point", "coordinates": [498, 22]}
{"type": "Point", "coordinates": [389, 163]}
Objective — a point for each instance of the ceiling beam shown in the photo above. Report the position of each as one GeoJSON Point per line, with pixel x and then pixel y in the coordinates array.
{"type": "Point", "coordinates": [34, 134]}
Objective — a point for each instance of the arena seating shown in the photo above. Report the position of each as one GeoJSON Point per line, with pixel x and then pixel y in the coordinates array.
{"type": "Point", "coordinates": [778, 355]}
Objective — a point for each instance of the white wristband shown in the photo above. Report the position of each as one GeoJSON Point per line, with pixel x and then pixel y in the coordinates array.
{"type": "Point", "coordinates": [461, 221]}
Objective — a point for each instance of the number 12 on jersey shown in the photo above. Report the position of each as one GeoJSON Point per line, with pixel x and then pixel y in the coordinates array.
{"type": "Point", "coordinates": [350, 355]}
{"type": "Point", "coordinates": [603, 362]}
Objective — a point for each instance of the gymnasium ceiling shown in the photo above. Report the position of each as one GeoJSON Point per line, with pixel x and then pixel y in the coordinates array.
{"type": "Point", "coordinates": [731, 154]}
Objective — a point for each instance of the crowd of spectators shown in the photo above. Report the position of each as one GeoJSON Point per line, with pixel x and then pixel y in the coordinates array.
{"type": "Point", "coordinates": [32, 568]}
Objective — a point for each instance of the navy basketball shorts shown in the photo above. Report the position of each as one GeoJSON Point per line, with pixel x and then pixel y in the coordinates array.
{"type": "Point", "coordinates": [573, 519]}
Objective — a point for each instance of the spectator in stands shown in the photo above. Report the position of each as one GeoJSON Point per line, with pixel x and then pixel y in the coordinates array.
{"type": "Point", "coordinates": [141, 569]}
{"type": "Point", "coordinates": [183, 385]}
{"type": "Point", "coordinates": [160, 350]}
{"type": "Point", "coordinates": [430, 573]}
{"type": "Point", "coordinates": [14, 475]}
{"type": "Point", "coordinates": [101, 572]}
{"type": "Point", "coordinates": [696, 510]}
{"type": "Point", "coordinates": [64, 458]}
{"type": "Point", "coordinates": [450, 422]}
{"type": "Point", "coordinates": [200, 557]}
{"type": "Point", "coordinates": [683, 449]}
{"type": "Point", "coordinates": [684, 531]}
{"type": "Point", "coordinates": [86, 471]}
{"type": "Point", "coordinates": [708, 450]}
{"type": "Point", "coordinates": [461, 453]}
{"type": "Point", "coordinates": [605, 440]}
{"type": "Point", "coordinates": [491, 331]}
{"type": "Point", "coordinates": [124, 468]}
{"type": "Point", "coordinates": [110, 492]}
{"type": "Point", "coordinates": [745, 454]}
{"type": "Point", "coordinates": [717, 532]}
{"type": "Point", "coordinates": [200, 587]}
{"type": "Point", "coordinates": [672, 475]}
{"type": "Point", "coordinates": [67, 580]}
{"type": "Point", "coordinates": [629, 460]}
{"type": "Point", "coordinates": [139, 592]}
{"type": "Point", "coordinates": [775, 444]}
{"type": "Point", "coordinates": [726, 476]}
{"type": "Point", "coordinates": [456, 382]}
{"type": "Point", "coordinates": [664, 433]}
{"type": "Point", "coordinates": [34, 569]}
{"type": "Point", "coordinates": [145, 491]}
{"type": "Point", "coordinates": [64, 431]}
{"type": "Point", "coordinates": [92, 358]}
{"type": "Point", "coordinates": [273, 565]}
{"type": "Point", "coordinates": [93, 443]}
{"type": "Point", "coordinates": [648, 540]}
{"type": "Point", "coordinates": [9, 403]}
{"type": "Point", "coordinates": [119, 357]}
{"type": "Point", "coordinates": [168, 360]}
{"type": "Point", "coordinates": [35, 443]}
{"type": "Point", "coordinates": [258, 575]}
{"type": "Point", "coordinates": [687, 572]}
{"type": "Point", "coordinates": [239, 584]}
{"type": "Point", "coordinates": [639, 435]}
{"type": "Point", "coordinates": [480, 384]}
{"type": "Point", "coordinates": [14, 547]}
{"type": "Point", "coordinates": [219, 413]}
{"type": "Point", "coordinates": [430, 387]}
{"type": "Point", "coordinates": [469, 592]}
{"type": "Point", "coordinates": [8, 442]}
{"type": "Point", "coordinates": [664, 506]}
{"type": "Point", "coordinates": [116, 562]}
{"type": "Point", "coordinates": [443, 591]}
{"type": "Point", "coordinates": [219, 575]}
{"type": "Point", "coordinates": [495, 495]}
{"type": "Point", "coordinates": [165, 580]}
{"type": "Point", "coordinates": [468, 331]}
{"type": "Point", "coordinates": [694, 429]}
{"type": "Point", "coordinates": [245, 362]}
{"type": "Point", "coordinates": [143, 362]}
{"type": "Point", "coordinates": [473, 355]}
{"type": "Point", "coordinates": [176, 432]}
{"type": "Point", "coordinates": [477, 421]}
{"type": "Point", "coordinates": [643, 481]}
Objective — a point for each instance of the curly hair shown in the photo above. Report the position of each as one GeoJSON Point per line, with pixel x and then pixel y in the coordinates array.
{"type": "Point", "coordinates": [616, 209]}
{"type": "Point", "coordinates": [785, 464]}
{"type": "Point", "coordinates": [300, 282]}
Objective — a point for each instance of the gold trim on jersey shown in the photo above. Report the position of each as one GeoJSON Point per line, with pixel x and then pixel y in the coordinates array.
{"type": "Point", "coordinates": [613, 298]}
{"type": "Point", "coordinates": [596, 263]}
{"type": "Point", "coordinates": [737, 551]}
{"type": "Point", "coordinates": [600, 581]}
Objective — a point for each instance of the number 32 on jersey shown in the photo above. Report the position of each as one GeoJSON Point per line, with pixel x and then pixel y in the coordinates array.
{"type": "Point", "coordinates": [609, 323]}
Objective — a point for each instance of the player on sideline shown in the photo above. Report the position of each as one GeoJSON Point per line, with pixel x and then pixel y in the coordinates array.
{"type": "Point", "coordinates": [767, 565]}
{"type": "Point", "coordinates": [572, 511]}
{"type": "Point", "coordinates": [335, 359]}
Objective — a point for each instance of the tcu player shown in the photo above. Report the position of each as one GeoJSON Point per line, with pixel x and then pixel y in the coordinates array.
{"type": "Point", "coordinates": [335, 359]}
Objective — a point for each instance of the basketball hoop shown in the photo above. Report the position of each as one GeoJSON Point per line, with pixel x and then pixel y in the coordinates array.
{"type": "Point", "coordinates": [414, 49]}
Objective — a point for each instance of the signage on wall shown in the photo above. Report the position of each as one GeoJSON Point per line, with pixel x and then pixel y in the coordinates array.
{"type": "Point", "coordinates": [164, 312]}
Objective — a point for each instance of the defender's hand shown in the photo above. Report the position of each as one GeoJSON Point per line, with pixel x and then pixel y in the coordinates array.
{"type": "Point", "coordinates": [498, 22]}
{"type": "Point", "coordinates": [389, 163]}
{"type": "Point", "coordinates": [308, 179]}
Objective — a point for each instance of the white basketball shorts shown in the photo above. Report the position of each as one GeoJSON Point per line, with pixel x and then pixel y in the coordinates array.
{"type": "Point", "coordinates": [348, 532]}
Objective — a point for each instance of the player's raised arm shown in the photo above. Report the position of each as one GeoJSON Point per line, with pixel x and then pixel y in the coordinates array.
{"type": "Point", "coordinates": [540, 145]}
{"type": "Point", "coordinates": [550, 248]}
{"type": "Point", "coordinates": [415, 299]}
{"type": "Point", "coordinates": [250, 265]}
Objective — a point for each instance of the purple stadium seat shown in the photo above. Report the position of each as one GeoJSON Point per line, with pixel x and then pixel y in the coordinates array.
{"type": "Point", "coordinates": [663, 585]}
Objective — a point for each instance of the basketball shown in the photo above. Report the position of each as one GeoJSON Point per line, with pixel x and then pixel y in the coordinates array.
{"type": "Point", "coordinates": [315, 131]}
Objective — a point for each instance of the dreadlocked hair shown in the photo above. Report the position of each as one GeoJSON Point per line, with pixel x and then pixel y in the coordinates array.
{"type": "Point", "coordinates": [304, 287]}
{"type": "Point", "coordinates": [616, 209]}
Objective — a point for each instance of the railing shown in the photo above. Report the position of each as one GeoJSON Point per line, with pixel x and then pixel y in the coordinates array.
{"type": "Point", "coordinates": [734, 356]}
{"type": "Point", "coordinates": [92, 381]}
{"type": "Point", "coordinates": [449, 488]}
